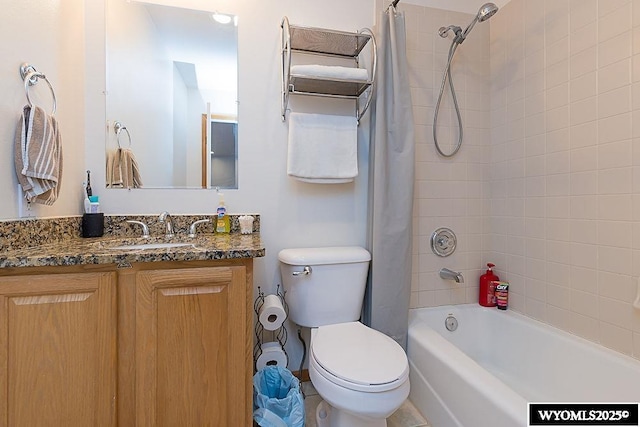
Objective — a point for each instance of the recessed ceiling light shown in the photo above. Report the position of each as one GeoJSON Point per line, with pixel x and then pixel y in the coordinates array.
{"type": "Point", "coordinates": [221, 18]}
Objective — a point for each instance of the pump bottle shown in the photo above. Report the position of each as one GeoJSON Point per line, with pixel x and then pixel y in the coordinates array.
{"type": "Point", "coordinates": [223, 224]}
{"type": "Point", "coordinates": [486, 295]}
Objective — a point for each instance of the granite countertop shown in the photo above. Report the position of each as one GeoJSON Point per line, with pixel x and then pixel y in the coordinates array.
{"type": "Point", "coordinates": [99, 250]}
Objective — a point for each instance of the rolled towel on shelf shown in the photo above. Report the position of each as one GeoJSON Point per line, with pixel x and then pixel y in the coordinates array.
{"type": "Point", "coordinates": [331, 72]}
{"type": "Point", "coordinates": [322, 149]}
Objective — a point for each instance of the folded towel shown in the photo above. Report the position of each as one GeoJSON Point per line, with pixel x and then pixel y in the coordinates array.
{"type": "Point", "coordinates": [331, 72]}
{"type": "Point", "coordinates": [322, 148]}
{"type": "Point", "coordinates": [123, 170]}
{"type": "Point", "coordinates": [38, 156]}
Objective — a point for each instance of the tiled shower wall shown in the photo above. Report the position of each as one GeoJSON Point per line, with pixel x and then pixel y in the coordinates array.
{"type": "Point", "coordinates": [448, 192]}
{"type": "Point", "coordinates": [565, 167]}
{"type": "Point", "coordinates": [547, 184]}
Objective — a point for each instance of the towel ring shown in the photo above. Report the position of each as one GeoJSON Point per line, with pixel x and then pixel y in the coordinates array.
{"type": "Point", "coordinates": [119, 127]}
{"type": "Point", "coordinates": [31, 76]}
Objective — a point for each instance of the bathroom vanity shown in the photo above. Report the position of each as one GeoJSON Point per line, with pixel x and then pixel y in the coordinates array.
{"type": "Point", "coordinates": [92, 335]}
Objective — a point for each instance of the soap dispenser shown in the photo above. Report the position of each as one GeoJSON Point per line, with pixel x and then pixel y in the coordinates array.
{"type": "Point", "coordinates": [223, 224]}
{"type": "Point", "coordinates": [486, 295]}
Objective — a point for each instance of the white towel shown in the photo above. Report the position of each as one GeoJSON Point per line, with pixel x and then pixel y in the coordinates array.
{"type": "Point", "coordinates": [38, 156]}
{"type": "Point", "coordinates": [322, 148]}
{"type": "Point", "coordinates": [331, 72]}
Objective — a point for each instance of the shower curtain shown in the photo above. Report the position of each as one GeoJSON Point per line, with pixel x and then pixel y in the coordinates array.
{"type": "Point", "coordinates": [391, 175]}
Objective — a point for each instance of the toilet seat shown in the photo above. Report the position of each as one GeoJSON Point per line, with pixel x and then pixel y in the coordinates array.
{"type": "Point", "coordinates": [357, 357]}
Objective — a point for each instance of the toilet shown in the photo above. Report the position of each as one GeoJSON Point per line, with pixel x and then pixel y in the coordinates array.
{"type": "Point", "coordinates": [361, 373]}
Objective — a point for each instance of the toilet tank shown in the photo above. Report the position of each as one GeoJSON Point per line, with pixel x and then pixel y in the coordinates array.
{"type": "Point", "coordinates": [332, 291]}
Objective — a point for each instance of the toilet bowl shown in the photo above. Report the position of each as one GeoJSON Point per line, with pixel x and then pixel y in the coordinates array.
{"type": "Point", "coordinates": [362, 375]}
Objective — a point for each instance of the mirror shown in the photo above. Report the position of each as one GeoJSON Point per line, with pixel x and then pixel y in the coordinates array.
{"type": "Point", "coordinates": [166, 67]}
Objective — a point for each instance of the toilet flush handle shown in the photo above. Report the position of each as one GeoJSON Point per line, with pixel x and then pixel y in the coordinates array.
{"type": "Point", "coordinates": [305, 271]}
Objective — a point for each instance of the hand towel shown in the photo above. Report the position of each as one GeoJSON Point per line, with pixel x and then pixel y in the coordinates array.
{"type": "Point", "coordinates": [123, 170]}
{"type": "Point", "coordinates": [38, 155]}
{"type": "Point", "coordinates": [331, 72]}
{"type": "Point", "coordinates": [114, 171]}
{"type": "Point", "coordinates": [129, 169]}
{"type": "Point", "coordinates": [322, 148]}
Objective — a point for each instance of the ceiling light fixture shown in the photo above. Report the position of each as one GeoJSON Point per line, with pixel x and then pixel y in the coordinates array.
{"type": "Point", "coordinates": [221, 18]}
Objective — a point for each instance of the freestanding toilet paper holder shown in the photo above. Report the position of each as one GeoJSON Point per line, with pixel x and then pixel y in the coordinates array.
{"type": "Point", "coordinates": [279, 335]}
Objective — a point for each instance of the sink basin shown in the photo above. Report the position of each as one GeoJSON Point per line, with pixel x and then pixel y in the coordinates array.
{"type": "Point", "coordinates": [143, 246]}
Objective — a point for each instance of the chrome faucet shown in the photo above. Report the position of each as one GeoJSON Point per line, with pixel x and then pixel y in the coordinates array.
{"type": "Point", "coordinates": [447, 274]}
{"type": "Point", "coordinates": [166, 219]}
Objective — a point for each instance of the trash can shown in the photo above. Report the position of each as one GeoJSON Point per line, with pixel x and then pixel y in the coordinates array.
{"type": "Point", "coordinates": [277, 399]}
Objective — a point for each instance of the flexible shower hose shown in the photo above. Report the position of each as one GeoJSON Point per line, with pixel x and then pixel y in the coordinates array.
{"type": "Point", "coordinates": [447, 73]}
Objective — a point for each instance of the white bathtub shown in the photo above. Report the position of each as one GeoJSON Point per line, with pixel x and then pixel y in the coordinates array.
{"type": "Point", "coordinates": [485, 372]}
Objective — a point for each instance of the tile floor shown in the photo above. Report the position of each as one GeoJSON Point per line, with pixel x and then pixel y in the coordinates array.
{"type": "Point", "coordinates": [406, 416]}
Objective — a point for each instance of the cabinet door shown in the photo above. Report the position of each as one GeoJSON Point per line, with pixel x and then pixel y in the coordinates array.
{"type": "Point", "coordinates": [57, 350]}
{"type": "Point", "coordinates": [191, 347]}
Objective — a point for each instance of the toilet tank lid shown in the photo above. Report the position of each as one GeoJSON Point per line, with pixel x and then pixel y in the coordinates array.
{"type": "Point", "coordinates": [319, 256]}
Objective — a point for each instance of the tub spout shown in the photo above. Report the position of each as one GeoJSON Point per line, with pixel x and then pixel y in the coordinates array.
{"type": "Point", "coordinates": [447, 274]}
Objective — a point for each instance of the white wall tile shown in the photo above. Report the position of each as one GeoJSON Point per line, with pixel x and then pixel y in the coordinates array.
{"type": "Point", "coordinates": [615, 128]}
{"type": "Point", "coordinates": [548, 182]}
{"type": "Point", "coordinates": [582, 12]}
{"type": "Point", "coordinates": [614, 102]}
{"type": "Point", "coordinates": [615, 337]}
{"type": "Point", "coordinates": [585, 62]}
{"type": "Point", "coordinates": [583, 87]}
{"type": "Point", "coordinates": [614, 49]}
{"type": "Point", "coordinates": [614, 75]}
{"type": "Point", "coordinates": [583, 183]}
{"type": "Point", "coordinates": [584, 135]}
{"type": "Point", "coordinates": [614, 23]}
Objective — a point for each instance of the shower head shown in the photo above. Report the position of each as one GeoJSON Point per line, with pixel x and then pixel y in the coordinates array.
{"type": "Point", "coordinates": [486, 11]}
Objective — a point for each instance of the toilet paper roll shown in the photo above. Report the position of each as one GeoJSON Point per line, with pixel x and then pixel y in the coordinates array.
{"type": "Point", "coordinates": [272, 313]}
{"type": "Point", "coordinates": [272, 354]}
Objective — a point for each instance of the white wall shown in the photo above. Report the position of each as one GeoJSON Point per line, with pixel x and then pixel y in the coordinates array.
{"type": "Point", "coordinates": [50, 36]}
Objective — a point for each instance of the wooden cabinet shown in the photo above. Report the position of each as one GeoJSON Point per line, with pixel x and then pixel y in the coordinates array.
{"type": "Point", "coordinates": [152, 344]}
{"type": "Point", "coordinates": [184, 344]}
{"type": "Point", "coordinates": [58, 350]}
{"type": "Point", "coordinates": [190, 347]}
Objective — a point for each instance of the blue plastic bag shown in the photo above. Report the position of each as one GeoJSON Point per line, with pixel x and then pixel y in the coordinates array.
{"type": "Point", "coordinates": [277, 399]}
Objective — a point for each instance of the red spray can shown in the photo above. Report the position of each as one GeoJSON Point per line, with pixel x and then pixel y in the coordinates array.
{"type": "Point", "coordinates": [486, 296]}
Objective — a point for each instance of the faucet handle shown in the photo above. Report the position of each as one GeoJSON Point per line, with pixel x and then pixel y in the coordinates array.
{"type": "Point", "coordinates": [192, 227]}
{"type": "Point", "coordinates": [145, 228]}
